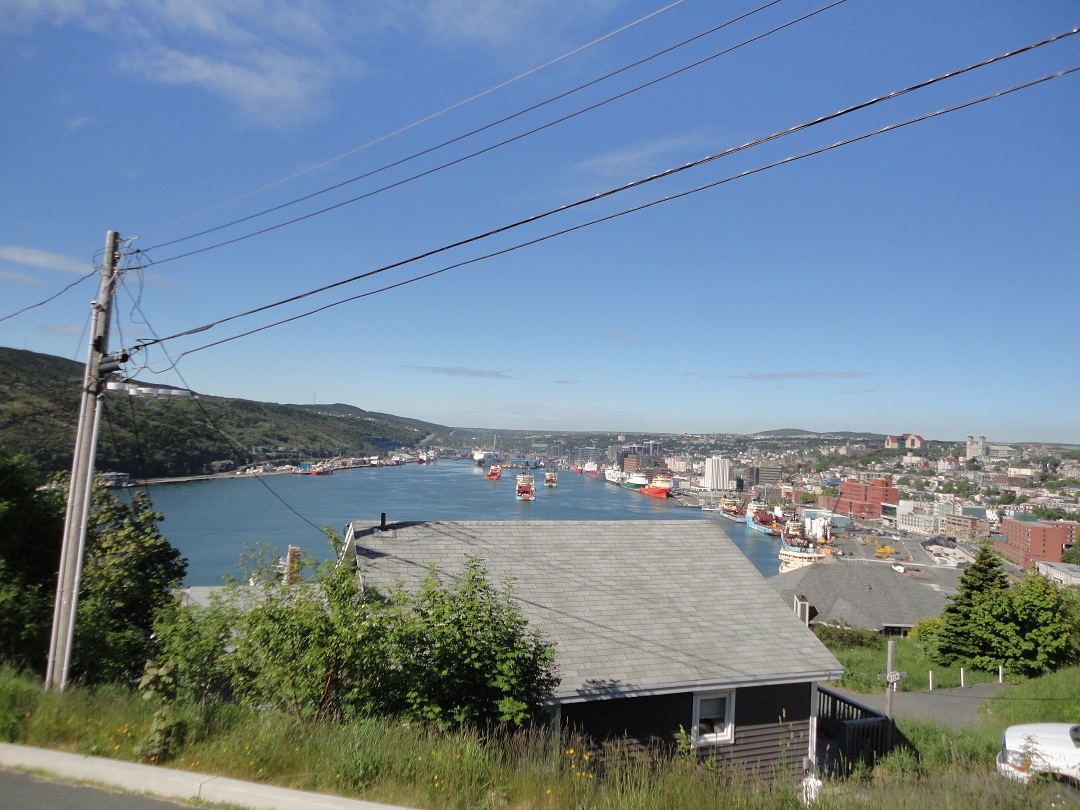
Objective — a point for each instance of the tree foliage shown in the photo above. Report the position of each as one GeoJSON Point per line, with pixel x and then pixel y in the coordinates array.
{"type": "Point", "coordinates": [1028, 629]}
{"type": "Point", "coordinates": [1071, 555]}
{"type": "Point", "coordinates": [321, 645]}
{"type": "Point", "coordinates": [129, 571]}
{"type": "Point", "coordinates": [31, 525]}
{"type": "Point", "coordinates": [129, 574]}
{"type": "Point", "coordinates": [467, 653]}
{"type": "Point", "coordinates": [957, 639]}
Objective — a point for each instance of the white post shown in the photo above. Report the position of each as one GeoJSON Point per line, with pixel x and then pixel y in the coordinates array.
{"type": "Point", "coordinates": [1001, 674]}
{"type": "Point", "coordinates": [961, 677]}
{"type": "Point", "coordinates": [930, 674]}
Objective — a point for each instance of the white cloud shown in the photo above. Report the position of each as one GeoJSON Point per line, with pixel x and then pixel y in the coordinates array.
{"type": "Point", "coordinates": [626, 337]}
{"type": "Point", "coordinates": [32, 257]}
{"type": "Point", "coordinates": [15, 277]}
{"type": "Point", "coordinates": [806, 375]}
{"type": "Point", "coordinates": [641, 160]}
{"type": "Point", "coordinates": [61, 329]}
{"type": "Point", "coordinates": [276, 61]}
{"type": "Point", "coordinates": [458, 371]}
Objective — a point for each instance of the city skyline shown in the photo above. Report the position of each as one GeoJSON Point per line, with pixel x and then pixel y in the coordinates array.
{"type": "Point", "coordinates": [905, 281]}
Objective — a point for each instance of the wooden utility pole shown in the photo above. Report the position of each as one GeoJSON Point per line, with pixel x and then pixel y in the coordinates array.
{"type": "Point", "coordinates": [80, 487]}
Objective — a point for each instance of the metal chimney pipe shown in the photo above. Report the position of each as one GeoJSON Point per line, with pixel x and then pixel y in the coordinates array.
{"type": "Point", "coordinates": [382, 522]}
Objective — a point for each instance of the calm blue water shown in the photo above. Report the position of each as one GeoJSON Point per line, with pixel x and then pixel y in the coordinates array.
{"type": "Point", "coordinates": [210, 521]}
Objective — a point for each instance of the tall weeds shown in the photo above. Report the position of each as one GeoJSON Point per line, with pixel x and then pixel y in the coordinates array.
{"type": "Point", "coordinates": [396, 762]}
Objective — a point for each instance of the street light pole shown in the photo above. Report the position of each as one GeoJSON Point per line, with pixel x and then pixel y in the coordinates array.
{"type": "Point", "coordinates": [80, 487]}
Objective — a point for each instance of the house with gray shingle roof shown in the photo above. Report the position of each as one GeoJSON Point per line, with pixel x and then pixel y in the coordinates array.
{"type": "Point", "coordinates": [869, 595]}
{"type": "Point", "coordinates": [660, 626]}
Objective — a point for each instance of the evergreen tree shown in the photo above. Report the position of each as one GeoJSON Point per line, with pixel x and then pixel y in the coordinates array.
{"type": "Point", "coordinates": [966, 629]}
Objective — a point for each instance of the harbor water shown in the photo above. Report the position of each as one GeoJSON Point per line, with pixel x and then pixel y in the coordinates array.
{"type": "Point", "coordinates": [212, 522]}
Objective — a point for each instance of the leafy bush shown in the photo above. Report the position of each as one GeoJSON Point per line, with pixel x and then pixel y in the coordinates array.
{"type": "Point", "coordinates": [318, 644]}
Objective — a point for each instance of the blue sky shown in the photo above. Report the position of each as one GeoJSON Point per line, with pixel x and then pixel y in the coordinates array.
{"type": "Point", "coordinates": [922, 280]}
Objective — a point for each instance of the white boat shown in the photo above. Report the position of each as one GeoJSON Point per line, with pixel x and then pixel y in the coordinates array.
{"type": "Point", "coordinates": [796, 549]}
{"type": "Point", "coordinates": [614, 476]}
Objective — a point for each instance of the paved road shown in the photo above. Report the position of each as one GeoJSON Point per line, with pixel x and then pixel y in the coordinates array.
{"type": "Point", "coordinates": [181, 786]}
{"type": "Point", "coordinates": [955, 708]}
{"type": "Point", "coordinates": [26, 790]}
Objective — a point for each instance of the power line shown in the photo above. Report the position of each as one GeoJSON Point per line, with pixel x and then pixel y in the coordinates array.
{"type": "Point", "coordinates": [53, 297]}
{"type": "Point", "coordinates": [408, 127]}
{"type": "Point", "coordinates": [525, 134]}
{"type": "Point", "coordinates": [498, 122]}
{"type": "Point", "coordinates": [232, 444]}
{"type": "Point", "coordinates": [633, 184]}
{"type": "Point", "coordinates": [624, 212]}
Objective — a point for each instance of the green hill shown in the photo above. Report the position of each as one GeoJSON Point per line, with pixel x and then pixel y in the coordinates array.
{"type": "Point", "coordinates": [172, 436]}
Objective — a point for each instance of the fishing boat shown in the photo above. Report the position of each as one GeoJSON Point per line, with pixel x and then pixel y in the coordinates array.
{"type": "Point", "coordinates": [659, 487]}
{"type": "Point", "coordinates": [797, 550]}
{"type": "Point", "coordinates": [579, 469]}
{"type": "Point", "coordinates": [494, 473]}
{"type": "Point", "coordinates": [551, 478]}
{"type": "Point", "coordinates": [731, 509]}
{"type": "Point", "coordinates": [762, 521]}
{"type": "Point", "coordinates": [634, 481]}
{"type": "Point", "coordinates": [525, 490]}
{"type": "Point", "coordinates": [710, 507]}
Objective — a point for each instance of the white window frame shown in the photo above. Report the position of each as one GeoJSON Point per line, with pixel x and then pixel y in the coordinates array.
{"type": "Point", "coordinates": [727, 735]}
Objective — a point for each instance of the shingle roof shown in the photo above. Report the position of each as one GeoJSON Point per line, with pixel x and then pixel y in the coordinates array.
{"type": "Point", "coordinates": [635, 607]}
{"type": "Point", "coordinates": [870, 595]}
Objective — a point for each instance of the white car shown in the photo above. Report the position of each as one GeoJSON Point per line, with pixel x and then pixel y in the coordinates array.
{"type": "Point", "coordinates": [1040, 749]}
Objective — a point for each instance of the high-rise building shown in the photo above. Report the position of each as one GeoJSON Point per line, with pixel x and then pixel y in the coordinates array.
{"type": "Point", "coordinates": [718, 473]}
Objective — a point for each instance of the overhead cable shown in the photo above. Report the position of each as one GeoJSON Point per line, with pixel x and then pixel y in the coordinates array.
{"type": "Point", "coordinates": [525, 134]}
{"type": "Point", "coordinates": [52, 297]}
{"type": "Point", "coordinates": [633, 209]}
{"type": "Point", "coordinates": [625, 187]}
{"type": "Point", "coordinates": [498, 122]}
{"type": "Point", "coordinates": [408, 127]}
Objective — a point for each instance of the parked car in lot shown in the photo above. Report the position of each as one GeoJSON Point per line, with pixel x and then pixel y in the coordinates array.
{"type": "Point", "coordinates": [1040, 749]}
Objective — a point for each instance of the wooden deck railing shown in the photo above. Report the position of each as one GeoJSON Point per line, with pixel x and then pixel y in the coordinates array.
{"type": "Point", "coordinates": [861, 734]}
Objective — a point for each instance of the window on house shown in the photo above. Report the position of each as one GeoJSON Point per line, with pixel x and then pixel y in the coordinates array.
{"type": "Point", "coordinates": [713, 718]}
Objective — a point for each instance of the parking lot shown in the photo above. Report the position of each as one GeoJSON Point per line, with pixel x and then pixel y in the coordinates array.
{"type": "Point", "coordinates": [938, 564]}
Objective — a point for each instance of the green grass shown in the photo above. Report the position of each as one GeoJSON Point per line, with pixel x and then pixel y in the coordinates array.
{"type": "Point", "coordinates": [863, 656]}
{"type": "Point", "coordinates": [390, 761]}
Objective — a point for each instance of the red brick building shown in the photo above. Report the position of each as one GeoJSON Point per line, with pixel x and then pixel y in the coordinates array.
{"type": "Point", "coordinates": [863, 501]}
{"type": "Point", "coordinates": [1029, 541]}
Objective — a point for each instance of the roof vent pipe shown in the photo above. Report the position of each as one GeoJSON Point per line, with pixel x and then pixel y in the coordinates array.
{"type": "Point", "coordinates": [382, 522]}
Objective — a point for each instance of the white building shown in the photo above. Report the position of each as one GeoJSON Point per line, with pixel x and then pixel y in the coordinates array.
{"type": "Point", "coordinates": [718, 473]}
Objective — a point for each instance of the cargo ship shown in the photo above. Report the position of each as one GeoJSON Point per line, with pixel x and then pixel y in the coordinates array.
{"type": "Point", "coordinates": [659, 487]}
{"type": "Point", "coordinates": [614, 476]}
{"type": "Point", "coordinates": [525, 490]}
{"type": "Point", "coordinates": [592, 470]}
{"type": "Point", "coordinates": [634, 481]}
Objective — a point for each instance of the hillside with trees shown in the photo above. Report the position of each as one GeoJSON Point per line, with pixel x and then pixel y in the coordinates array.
{"type": "Point", "coordinates": [150, 437]}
